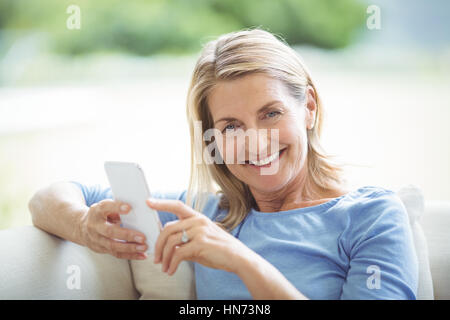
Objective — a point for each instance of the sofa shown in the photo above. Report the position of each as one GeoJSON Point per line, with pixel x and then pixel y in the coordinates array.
{"type": "Point", "coordinates": [37, 265]}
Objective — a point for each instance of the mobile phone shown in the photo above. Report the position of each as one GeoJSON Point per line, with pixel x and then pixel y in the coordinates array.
{"type": "Point", "coordinates": [128, 184]}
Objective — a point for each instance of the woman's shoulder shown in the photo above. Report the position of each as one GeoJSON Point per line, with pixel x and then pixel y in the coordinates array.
{"type": "Point", "coordinates": [369, 196]}
{"type": "Point", "coordinates": [372, 205]}
{"type": "Point", "coordinates": [370, 191]}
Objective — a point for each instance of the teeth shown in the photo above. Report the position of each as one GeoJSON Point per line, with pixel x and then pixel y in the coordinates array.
{"type": "Point", "coordinates": [266, 160]}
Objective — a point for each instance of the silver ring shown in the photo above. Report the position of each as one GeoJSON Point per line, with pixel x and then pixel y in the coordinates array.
{"type": "Point", "coordinates": [184, 237]}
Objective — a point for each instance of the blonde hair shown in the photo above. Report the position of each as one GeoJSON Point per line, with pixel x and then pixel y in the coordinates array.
{"type": "Point", "coordinates": [226, 58]}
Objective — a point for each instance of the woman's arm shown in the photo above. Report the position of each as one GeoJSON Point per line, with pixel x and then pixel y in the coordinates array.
{"type": "Point", "coordinates": [264, 281]}
{"type": "Point", "coordinates": [59, 209]}
{"type": "Point", "coordinates": [213, 247]}
{"type": "Point", "coordinates": [62, 209]}
{"type": "Point", "coordinates": [383, 261]}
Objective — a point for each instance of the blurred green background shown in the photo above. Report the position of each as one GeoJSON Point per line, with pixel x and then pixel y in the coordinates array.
{"type": "Point", "coordinates": [145, 27]}
{"type": "Point", "coordinates": [115, 89]}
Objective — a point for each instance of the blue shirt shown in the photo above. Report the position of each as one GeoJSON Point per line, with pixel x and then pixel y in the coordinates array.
{"type": "Point", "coordinates": [357, 246]}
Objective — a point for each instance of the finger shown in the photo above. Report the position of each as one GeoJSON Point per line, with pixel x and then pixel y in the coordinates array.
{"type": "Point", "coordinates": [114, 218]}
{"type": "Point", "coordinates": [177, 207]}
{"type": "Point", "coordinates": [167, 231]}
{"type": "Point", "coordinates": [118, 248]}
{"type": "Point", "coordinates": [107, 207]}
{"type": "Point", "coordinates": [97, 247]}
{"type": "Point", "coordinates": [114, 231]}
{"type": "Point", "coordinates": [184, 252]}
{"type": "Point", "coordinates": [101, 244]}
{"type": "Point", "coordinates": [168, 250]}
{"type": "Point", "coordinates": [124, 255]}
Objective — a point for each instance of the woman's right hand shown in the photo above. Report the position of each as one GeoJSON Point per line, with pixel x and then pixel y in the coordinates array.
{"type": "Point", "coordinates": [101, 231]}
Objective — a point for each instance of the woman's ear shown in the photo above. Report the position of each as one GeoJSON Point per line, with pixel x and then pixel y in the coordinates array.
{"type": "Point", "coordinates": [311, 105]}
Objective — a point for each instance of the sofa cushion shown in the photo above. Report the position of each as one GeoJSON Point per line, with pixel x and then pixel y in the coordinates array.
{"type": "Point", "coordinates": [37, 265]}
{"type": "Point", "coordinates": [152, 283]}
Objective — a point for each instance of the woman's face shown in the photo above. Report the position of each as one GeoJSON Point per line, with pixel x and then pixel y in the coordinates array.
{"type": "Point", "coordinates": [257, 103]}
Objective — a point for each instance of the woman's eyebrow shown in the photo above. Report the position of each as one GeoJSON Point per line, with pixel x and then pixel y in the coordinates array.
{"type": "Point", "coordinates": [260, 110]}
{"type": "Point", "coordinates": [267, 105]}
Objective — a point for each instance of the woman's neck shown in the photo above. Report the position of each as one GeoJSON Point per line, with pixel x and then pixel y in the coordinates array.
{"type": "Point", "coordinates": [300, 193]}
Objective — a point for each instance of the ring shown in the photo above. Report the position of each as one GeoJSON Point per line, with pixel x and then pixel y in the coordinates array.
{"type": "Point", "coordinates": [184, 237]}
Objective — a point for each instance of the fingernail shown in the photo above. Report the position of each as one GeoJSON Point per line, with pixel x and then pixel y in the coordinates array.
{"type": "Point", "coordinates": [124, 208]}
{"type": "Point", "coordinates": [140, 248]}
{"type": "Point", "coordinates": [139, 239]}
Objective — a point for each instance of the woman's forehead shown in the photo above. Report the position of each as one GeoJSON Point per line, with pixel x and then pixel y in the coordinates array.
{"type": "Point", "coordinates": [247, 93]}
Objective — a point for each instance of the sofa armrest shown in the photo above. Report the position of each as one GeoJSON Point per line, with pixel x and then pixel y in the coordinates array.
{"type": "Point", "coordinates": [436, 225]}
{"type": "Point", "coordinates": [37, 265]}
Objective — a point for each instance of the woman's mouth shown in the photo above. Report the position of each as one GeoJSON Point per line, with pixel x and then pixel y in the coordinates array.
{"type": "Point", "coordinates": [266, 162]}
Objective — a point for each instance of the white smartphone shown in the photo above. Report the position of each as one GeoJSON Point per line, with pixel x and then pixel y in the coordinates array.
{"type": "Point", "coordinates": [128, 184]}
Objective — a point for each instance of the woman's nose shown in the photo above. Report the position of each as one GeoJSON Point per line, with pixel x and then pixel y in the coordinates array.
{"type": "Point", "coordinates": [257, 146]}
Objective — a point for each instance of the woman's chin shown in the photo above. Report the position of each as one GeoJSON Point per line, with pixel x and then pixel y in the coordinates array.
{"type": "Point", "coordinates": [267, 183]}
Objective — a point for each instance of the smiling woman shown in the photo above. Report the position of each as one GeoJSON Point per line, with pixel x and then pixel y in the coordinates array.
{"type": "Point", "coordinates": [296, 218]}
{"type": "Point", "coordinates": [296, 233]}
{"type": "Point", "coordinates": [252, 80]}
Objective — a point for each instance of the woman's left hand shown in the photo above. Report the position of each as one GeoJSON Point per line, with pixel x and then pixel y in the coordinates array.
{"type": "Point", "coordinates": [208, 244]}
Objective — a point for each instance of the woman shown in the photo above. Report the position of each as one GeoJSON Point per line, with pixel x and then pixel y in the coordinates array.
{"type": "Point", "coordinates": [295, 233]}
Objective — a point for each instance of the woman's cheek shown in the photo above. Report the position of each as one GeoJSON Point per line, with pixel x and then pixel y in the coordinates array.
{"type": "Point", "coordinates": [293, 136]}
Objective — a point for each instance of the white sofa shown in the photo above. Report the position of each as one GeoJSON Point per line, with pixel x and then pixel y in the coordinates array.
{"type": "Point", "coordinates": [37, 265]}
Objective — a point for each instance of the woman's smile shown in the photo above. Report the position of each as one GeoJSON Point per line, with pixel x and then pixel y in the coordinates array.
{"type": "Point", "coordinates": [266, 162]}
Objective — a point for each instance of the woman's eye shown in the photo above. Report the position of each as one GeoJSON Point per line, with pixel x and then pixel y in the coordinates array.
{"type": "Point", "coordinates": [229, 127]}
{"type": "Point", "coordinates": [273, 114]}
